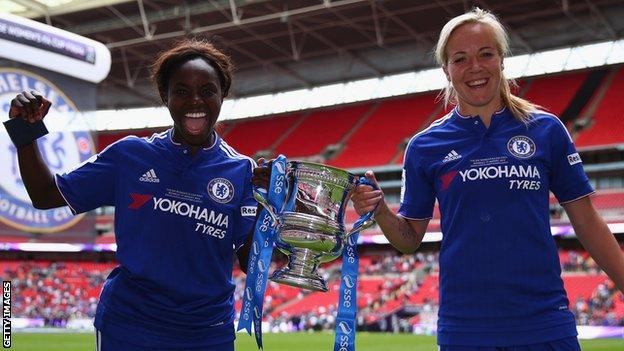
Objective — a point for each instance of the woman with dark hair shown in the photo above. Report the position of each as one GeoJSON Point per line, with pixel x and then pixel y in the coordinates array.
{"type": "Point", "coordinates": [491, 163]}
{"type": "Point", "coordinates": [183, 206]}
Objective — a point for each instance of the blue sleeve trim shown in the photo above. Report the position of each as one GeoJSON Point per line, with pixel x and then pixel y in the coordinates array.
{"type": "Point", "coordinates": [415, 212]}
{"type": "Point", "coordinates": [415, 219]}
{"type": "Point", "coordinates": [580, 190]}
{"type": "Point", "coordinates": [578, 198]}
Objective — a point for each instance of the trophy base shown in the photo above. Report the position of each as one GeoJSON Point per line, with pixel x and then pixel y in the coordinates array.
{"type": "Point", "coordinates": [301, 272]}
{"type": "Point", "coordinates": [309, 283]}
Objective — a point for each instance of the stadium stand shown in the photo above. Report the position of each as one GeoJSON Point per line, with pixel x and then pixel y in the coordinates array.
{"type": "Point", "coordinates": [321, 129]}
{"type": "Point", "coordinates": [604, 305]}
{"type": "Point", "coordinates": [582, 286]}
{"type": "Point", "coordinates": [255, 135]}
{"type": "Point", "coordinates": [540, 90]}
{"type": "Point", "coordinates": [58, 291]}
{"type": "Point", "coordinates": [427, 292]}
{"type": "Point", "coordinates": [379, 138]}
{"type": "Point", "coordinates": [55, 291]}
{"type": "Point", "coordinates": [353, 130]}
{"type": "Point", "coordinates": [606, 127]}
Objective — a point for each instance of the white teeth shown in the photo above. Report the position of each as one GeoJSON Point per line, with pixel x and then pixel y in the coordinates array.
{"type": "Point", "coordinates": [477, 82]}
{"type": "Point", "coordinates": [195, 115]}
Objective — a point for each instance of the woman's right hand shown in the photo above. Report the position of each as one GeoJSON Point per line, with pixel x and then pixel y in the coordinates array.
{"type": "Point", "coordinates": [365, 198]}
{"type": "Point", "coordinates": [29, 105]}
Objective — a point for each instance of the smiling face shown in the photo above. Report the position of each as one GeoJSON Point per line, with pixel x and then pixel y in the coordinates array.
{"type": "Point", "coordinates": [474, 68]}
{"type": "Point", "coordinates": [194, 100]}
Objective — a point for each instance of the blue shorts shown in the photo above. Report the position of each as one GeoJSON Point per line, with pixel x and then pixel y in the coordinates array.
{"type": "Point", "coordinates": [567, 344]}
{"type": "Point", "coordinates": [105, 343]}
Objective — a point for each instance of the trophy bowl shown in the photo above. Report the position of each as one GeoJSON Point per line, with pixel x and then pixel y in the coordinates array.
{"type": "Point", "coordinates": [310, 222]}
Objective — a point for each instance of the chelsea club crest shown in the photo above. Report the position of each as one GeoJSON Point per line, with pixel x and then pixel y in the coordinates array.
{"type": "Point", "coordinates": [521, 146]}
{"type": "Point", "coordinates": [60, 150]}
{"type": "Point", "coordinates": [221, 190]}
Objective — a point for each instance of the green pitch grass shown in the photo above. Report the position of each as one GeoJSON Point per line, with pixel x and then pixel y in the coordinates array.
{"type": "Point", "coordinates": [280, 342]}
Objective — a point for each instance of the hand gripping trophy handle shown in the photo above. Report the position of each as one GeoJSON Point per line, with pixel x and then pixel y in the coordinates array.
{"type": "Point", "coordinates": [367, 220]}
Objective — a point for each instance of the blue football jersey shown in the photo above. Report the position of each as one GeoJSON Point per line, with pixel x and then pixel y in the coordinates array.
{"type": "Point", "coordinates": [179, 218]}
{"type": "Point", "coordinates": [500, 282]}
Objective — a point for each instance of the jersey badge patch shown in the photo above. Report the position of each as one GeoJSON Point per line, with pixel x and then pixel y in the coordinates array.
{"type": "Point", "coordinates": [221, 190]}
{"type": "Point", "coordinates": [521, 146]}
{"type": "Point", "coordinates": [574, 159]}
{"type": "Point", "coordinates": [248, 211]}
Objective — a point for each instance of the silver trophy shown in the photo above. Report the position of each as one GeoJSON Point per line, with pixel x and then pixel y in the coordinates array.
{"type": "Point", "coordinates": [310, 223]}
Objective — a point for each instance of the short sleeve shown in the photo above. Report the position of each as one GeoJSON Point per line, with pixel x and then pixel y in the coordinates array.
{"type": "Point", "coordinates": [246, 215]}
{"type": "Point", "coordinates": [417, 192]}
{"type": "Point", "coordinates": [91, 184]}
{"type": "Point", "coordinates": [568, 180]}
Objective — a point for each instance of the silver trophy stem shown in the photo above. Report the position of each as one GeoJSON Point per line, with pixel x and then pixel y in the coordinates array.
{"type": "Point", "coordinates": [301, 271]}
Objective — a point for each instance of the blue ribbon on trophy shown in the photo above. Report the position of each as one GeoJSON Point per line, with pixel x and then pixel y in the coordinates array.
{"type": "Point", "coordinates": [344, 339]}
{"type": "Point", "coordinates": [261, 250]}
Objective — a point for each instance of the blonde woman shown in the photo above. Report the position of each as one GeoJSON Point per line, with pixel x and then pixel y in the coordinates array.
{"type": "Point", "coordinates": [491, 163]}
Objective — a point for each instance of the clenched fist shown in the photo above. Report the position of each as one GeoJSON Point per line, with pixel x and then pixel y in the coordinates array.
{"type": "Point", "coordinates": [29, 105]}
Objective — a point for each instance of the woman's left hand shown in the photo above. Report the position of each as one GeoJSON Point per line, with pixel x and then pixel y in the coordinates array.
{"type": "Point", "coordinates": [262, 174]}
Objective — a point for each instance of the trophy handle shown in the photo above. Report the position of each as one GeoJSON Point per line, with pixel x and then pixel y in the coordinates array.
{"type": "Point", "coordinates": [367, 219]}
{"type": "Point", "coordinates": [364, 225]}
{"type": "Point", "coordinates": [262, 200]}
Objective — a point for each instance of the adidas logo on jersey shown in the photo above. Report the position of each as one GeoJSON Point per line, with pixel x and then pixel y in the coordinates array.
{"type": "Point", "coordinates": [451, 156]}
{"type": "Point", "coordinates": [150, 177]}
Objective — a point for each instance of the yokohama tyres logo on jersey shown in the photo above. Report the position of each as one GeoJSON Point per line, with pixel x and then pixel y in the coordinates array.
{"type": "Point", "coordinates": [520, 177]}
{"type": "Point", "coordinates": [500, 171]}
{"type": "Point", "coordinates": [208, 222]}
{"type": "Point", "coordinates": [192, 211]}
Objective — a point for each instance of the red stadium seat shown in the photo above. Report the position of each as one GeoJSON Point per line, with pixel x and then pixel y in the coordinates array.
{"type": "Point", "coordinates": [607, 127]}
{"type": "Point", "coordinates": [253, 135]}
{"type": "Point", "coordinates": [554, 92]}
{"type": "Point", "coordinates": [320, 129]}
{"type": "Point", "coordinates": [581, 286]}
{"type": "Point", "coordinates": [379, 139]}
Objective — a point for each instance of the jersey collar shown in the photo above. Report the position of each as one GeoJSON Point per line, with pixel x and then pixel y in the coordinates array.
{"type": "Point", "coordinates": [459, 115]}
{"type": "Point", "coordinates": [474, 122]}
{"type": "Point", "coordinates": [183, 147]}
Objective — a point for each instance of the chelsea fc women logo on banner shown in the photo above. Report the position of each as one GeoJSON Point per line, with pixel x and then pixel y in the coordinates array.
{"type": "Point", "coordinates": [61, 151]}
